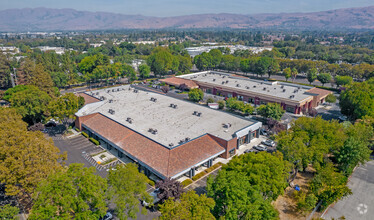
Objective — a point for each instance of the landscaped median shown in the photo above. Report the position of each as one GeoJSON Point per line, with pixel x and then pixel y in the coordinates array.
{"type": "Point", "coordinates": [187, 182]}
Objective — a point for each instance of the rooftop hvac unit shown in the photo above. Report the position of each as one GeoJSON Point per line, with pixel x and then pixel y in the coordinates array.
{"type": "Point", "coordinates": [187, 139]}
{"type": "Point", "coordinates": [214, 80]}
{"type": "Point", "coordinates": [154, 131]}
{"type": "Point", "coordinates": [97, 93]}
{"type": "Point", "coordinates": [254, 86]}
{"type": "Point", "coordinates": [194, 112]}
{"type": "Point", "coordinates": [199, 114]}
{"type": "Point", "coordinates": [223, 83]}
{"type": "Point", "coordinates": [171, 145]}
{"type": "Point", "coordinates": [264, 88]}
{"type": "Point", "coordinates": [118, 90]}
{"type": "Point", "coordinates": [129, 120]}
{"type": "Point", "coordinates": [284, 90]}
{"type": "Point", "coordinates": [237, 85]}
{"type": "Point", "coordinates": [175, 106]}
{"type": "Point", "coordinates": [275, 87]}
{"type": "Point", "coordinates": [110, 100]}
{"type": "Point", "coordinates": [282, 87]}
{"type": "Point", "coordinates": [247, 87]}
{"type": "Point", "coordinates": [171, 105]}
{"type": "Point", "coordinates": [227, 81]}
{"type": "Point", "coordinates": [181, 142]}
{"type": "Point", "coordinates": [113, 90]}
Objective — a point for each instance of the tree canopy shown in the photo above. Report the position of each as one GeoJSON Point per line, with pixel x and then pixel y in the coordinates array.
{"type": "Point", "coordinates": [189, 206]}
{"type": "Point", "coordinates": [126, 187]}
{"type": "Point", "coordinates": [357, 100]}
{"type": "Point", "coordinates": [64, 107]}
{"type": "Point", "coordinates": [73, 193]}
{"type": "Point", "coordinates": [271, 110]}
{"type": "Point", "coordinates": [196, 95]}
{"type": "Point", "coordinates": [26, 157]}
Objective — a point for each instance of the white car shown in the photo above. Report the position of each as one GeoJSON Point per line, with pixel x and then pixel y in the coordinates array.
{"type": "Point", "coordinates": [268, 142]}
{"type": "Point", "coordinates": [260, 147]}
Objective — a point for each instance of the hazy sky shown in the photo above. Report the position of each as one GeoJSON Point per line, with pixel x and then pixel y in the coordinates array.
{"type": "Point", "coordinates": [166, 8]}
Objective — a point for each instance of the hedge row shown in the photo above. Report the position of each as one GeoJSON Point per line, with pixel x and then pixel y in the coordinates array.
{"type": "Point", "coordinates": [84, 134]}
{"type": "Point", "coordinates": [151, 182]}
{"type": "Point", "coordinates": [206, 171]}
{"type": "Point", "coordinates": [93, 140]}
{"type": "Point", "coordinates": [186, 182]}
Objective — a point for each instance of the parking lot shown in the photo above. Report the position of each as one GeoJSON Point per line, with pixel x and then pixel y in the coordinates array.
{"type": "Point", "coordinates": [359, 205]}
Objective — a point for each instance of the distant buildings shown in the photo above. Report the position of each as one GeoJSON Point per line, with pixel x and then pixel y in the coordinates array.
{"type": "Point", "coordinates": [194, 51]}
{"type": "Point", "coordinates": [9, 50]}
{"type": "Point", "coordinates": [292, 97]}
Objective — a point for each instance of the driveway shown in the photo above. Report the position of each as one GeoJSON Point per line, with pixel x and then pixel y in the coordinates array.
{"type": "Point", "coordinates": [359, 205]}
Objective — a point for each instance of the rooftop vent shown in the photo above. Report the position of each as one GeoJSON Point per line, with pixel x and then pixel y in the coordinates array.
{"type": "Point", "coordinates": [97, 93]}
{"type": "Point", "coordinates": [247, 87]}
{"type": "Point", "coordinates": [227, 125]}
{"type": "Point", "coordinates": [187, 139]}
{"type": "Point", "coordinates": [153, 99]}
{"type": "Point", "coordinates": [136, 91]}
{"type": "Point", "coordinates": [292, 96]}
{"type": "Point", "coordinates": [254, 86]}
{"type": "Point", "coordinates": [195, 112]}
{"type": "Point", "coordinates": [175, 106]}
{"type": "Point", "coordinates": [113, 90]}
{"type": "Point", "coordinates": [110, 100]}
{"type": "Point", "coordinates": [227, 81]}
{"type": "Point", "coordinates": [214, 80]}
{"type": "Point", "coordinates": [275, 87]}
{"type": "Point", "coordinates": [111, 111]}
{"type": "Point", "coordinates": [108, 91]}
{"type": "Point", "coordinates": [237, 85]}
{"type": "Point", "coordinates": [223, 83]}
{"type": "Point", "coordinates": [264, 88]}
{"type": "Point", "coordinates": [198, 114]}
{"type": "Point", "coordinates": [129, 120]}
{"type": "Point", "coordinates": [181, 142]}
{"type": "Point", "coordinates": [118, 90]}
{"type": "Point", "coordinates": [282, 87]}
{"type": "Point", "coordinates": [284, 90]}
{"type": "Point", "coordinates": [171, 145]}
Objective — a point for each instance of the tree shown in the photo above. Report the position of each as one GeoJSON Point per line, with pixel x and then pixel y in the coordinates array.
{"type": "Point", "coordinates": [196, 95]}
{"type": "Point", "coordinates": [357, 100]}
{"type": "Point", "coordinates": [126, 187]}
{"type": "Point", "coordinates": [331, 98]}
{"type": "Point", "coordinates": [294, 73]}
{"type": "Point", "coordinates": [73, 193]}
{"type": "Point", "coordinates": [356, 149]}
{"type": "Point", "coordinates": [263, 65]}
{"type": "Point", "coordinates": [310, 140]}
{"type": "Point", "coordinates": [64, 107]}
{"type": "Point", "coordinates": [169, 188]}
{"type": "Point", "coordinates": [203, 61]}
{"type": "Point", "coordinates": [236, 198]}
{"type": "Point", "coordinates": [129, 72]}
{"type": "Point", "coordinates": [287, 73]}
{"type": "Point", "coordinates": [30, 102]}
{"type": "Point", "coordinates": [8, 212]}
{"type": "Point", "coordinates": [144, 71]}
{"type": "Point", "coordinates": [216, 57]}
{"type": "Point", "coordinates": [329, 185]}
{"type": "Point", "coordinates": [59, 79]}
{"type": "Point", "coordinates": [343, 80]}
{"type": "Point", "coordinates": [185, 64]}
{"type": "Point", "coordinates": [312, 75]}
{"type": "Point", "coordinates": [160, 61]}
{"type": "Point", "coordinates": [271, 110]}
{"type": "Point", "coordinates": [26, 157]}
{"type": "Point", "coordinates": [324, 78]}
{"type": "Point", "coordinates": [190, 206]}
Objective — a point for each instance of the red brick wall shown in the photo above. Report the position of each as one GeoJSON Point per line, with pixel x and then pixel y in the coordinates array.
{"type": "Point", "coordinates": [80, 120]}
{"type": "Point", "coordinates": [228, 145]}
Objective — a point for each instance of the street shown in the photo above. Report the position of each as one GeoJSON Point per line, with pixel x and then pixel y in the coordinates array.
{"type": "Point", "coordinates": [359, 205]}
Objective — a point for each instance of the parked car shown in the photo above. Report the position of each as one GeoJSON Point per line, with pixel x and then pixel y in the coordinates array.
{"type": "Point", "coordinates": [249, 151]}
{"type": "Point", "coordinates": [154, 196]}
{"type": "Point", "coordinates": [268, 142]}
{"type": "Point", "coordinates": [342, 118]}
{"type": "Point", "coordinates": [263, 132]}
{"type": "Point", "coordinates": [260, 147]}
{"type": "Point", "coordinates": [107, 216]}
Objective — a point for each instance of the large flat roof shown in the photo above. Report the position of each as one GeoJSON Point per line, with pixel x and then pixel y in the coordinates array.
{"type": "Point", "coordinates": [172, 124]}
{"type": "Point", "coordinates": [287, 91]}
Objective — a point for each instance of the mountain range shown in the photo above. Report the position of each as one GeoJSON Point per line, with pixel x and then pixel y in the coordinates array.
{"type": "Point", "coordinates": [47, 19]}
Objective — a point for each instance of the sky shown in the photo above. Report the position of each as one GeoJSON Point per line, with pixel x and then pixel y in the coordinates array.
{"type": "Point", "coordinates": [166, 8]}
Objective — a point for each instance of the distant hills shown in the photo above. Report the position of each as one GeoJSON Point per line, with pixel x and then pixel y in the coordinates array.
{"type": "Point", "coordinates": [46, 19]}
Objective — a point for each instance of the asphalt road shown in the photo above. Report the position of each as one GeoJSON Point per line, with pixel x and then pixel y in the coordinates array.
{"type": "Point", "coordinates": [359, 205]}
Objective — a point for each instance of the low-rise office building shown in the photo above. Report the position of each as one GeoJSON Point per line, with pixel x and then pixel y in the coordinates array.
{"type": "Point", "coordinates": [293, 98]}
{"type": "Point", "coordinates": [165, 136]}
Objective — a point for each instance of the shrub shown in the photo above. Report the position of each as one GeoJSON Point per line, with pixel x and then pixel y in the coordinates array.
{"type": "Point", "coordinates": [331, 98]}
{"type": "Point", "coordinates": [84, 134]}
{"type": "Point", "coordinates": [198, 176]}
{"type": "Point", "coordinates": [93, 140]}
{"type": "Point", "coordinates": [151, 182]}
{"type": "Point", "coordinates": [196, 95]}
{"type": "Point", "coordinates": [221, 104]}
{"type": "Point", "coordinates": [186, 182]}
{"type": "Point", "coordinates": [209, 100]}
